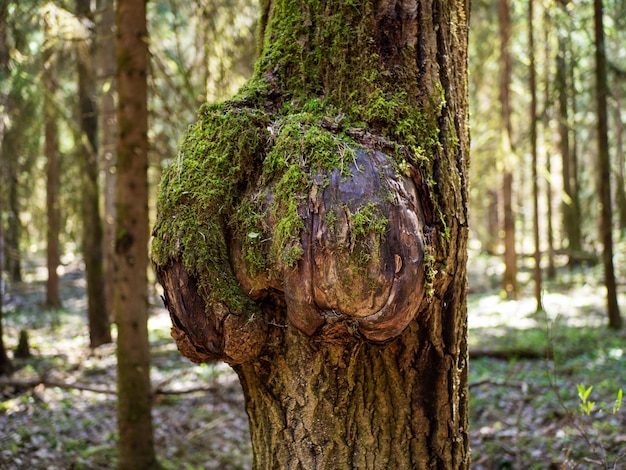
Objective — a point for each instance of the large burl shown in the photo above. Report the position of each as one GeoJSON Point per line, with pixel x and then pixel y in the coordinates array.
{"type": "Point", "coordinates": [267, 223]}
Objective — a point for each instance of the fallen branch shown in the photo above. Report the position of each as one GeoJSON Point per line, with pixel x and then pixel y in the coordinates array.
{"type": "Point", "coordinates": [32, 383]}
{"type": "Point", "coordinates": [51, 383]}
{"type": "Point", "coordinates": [506, 354]}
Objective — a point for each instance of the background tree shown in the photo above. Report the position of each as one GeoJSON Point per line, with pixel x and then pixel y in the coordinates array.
{"type": "Point", "coordinates": [534, 153]}
{"type": "Point", "coordinates": [566, 93]}
{"type": "Point", "coordinates": [52, 164]}
{"type": "Point", "coordinates": [312, 233]}
{"type": "Point", "coordinates": [136, 442]}
{"type": "Point", "coordinates": [107, 126]}
{"type": "Point", "coordinates": [5, 364]}
{"type": "Point", "coordinates": [604, 171]}
{"type": "Point", "coordinates": [99, 325]}
{"type": "Point", "coordinates": [508, 154]}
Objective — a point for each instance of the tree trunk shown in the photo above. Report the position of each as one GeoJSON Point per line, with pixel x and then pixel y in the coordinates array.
{"type": "Point", "coordinates": [52, 171]}
{"type": "Point", "coordinates": [509, 281]}
{"type": "Point", "coordinates": [547, 140]}
{"type": "Point", "coordinates": [5, 363]}
{"type": "Point", "coordinates": [312, 233]}
{"type": "Point", "coordinates": [533, 146]}
{"type": "Point", "coordinates": [105, 39]}
{"type": "Point", "coordinates": [571, 204]}
{"type": "Point", "coordinates": [98, 315]}
{"type": "Point", "coordinates": [620, 180]}
{"type": "Point", "coordinates": [136, 443]}
{"type": "Point", "coordinates": [604, 173]}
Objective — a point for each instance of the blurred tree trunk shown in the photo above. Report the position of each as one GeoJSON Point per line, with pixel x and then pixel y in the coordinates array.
{"type": "Point", "coordinates": [620, 180]}
{"type": "Point", "coordinates": [135, 442]}
{"type": "Point", "coordinates": [532, 74]}
{"type": "Point", "coordinates": [107, 126]}
{"type": "Point", "coordinates": [13, 258]}
{"type": "Point", "coordinates": [5, 363]}
{"type": "Point", "coordinates": [509, 282]}
{"type": "Point", "coordinates": [97, 313]}
{"type": "Point", "coordinates": [571, 204]}
{"type": "Point", "coordinates": [604, 171]}
{"type": "Point", "coordinates": [547, 139]}
{"type": "Point", "coordinates": [52, 171]}
{"type": "Point", "coordinates": [313, 234]}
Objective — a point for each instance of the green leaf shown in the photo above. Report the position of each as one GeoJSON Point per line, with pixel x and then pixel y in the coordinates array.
{"type": "Point", "coordinates": [618, 401]}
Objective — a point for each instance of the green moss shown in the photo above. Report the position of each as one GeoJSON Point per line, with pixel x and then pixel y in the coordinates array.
{"type": "Point", "coordinates": [199, 192]}
{"type": "Point", "coordinates": [318, 78]}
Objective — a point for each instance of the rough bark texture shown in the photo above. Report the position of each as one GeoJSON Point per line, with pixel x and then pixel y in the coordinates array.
{"type": "Point", "coordinates": [136, 443]}
{"type": "Point", "coordinates": [99, 324]}
{"type": "Point", "coordinates": [312, 233]}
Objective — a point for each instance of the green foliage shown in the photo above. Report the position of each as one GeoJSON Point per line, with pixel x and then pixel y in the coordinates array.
{"type": "Point", "coordinates": [585, 404]}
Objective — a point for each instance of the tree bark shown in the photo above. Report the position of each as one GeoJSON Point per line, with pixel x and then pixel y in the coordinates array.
{"type": "Point", "coordinates": [97, 313]}
{"type": "Point", "coordinates": [52, 171]}
{"type": "Point", "coordinates": [604, 173]}
{"type": "Point", "coordinates": [312, 233]}
{"type": "Point", "coordinates": [135, 443]}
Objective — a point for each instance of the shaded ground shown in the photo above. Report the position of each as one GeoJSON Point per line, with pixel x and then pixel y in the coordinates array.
{"type": "Point", "coordinates": [525, 409]}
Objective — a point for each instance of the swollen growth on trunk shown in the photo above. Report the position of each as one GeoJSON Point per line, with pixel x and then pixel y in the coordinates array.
{"type": "Point", "coordinates": [312, 233]}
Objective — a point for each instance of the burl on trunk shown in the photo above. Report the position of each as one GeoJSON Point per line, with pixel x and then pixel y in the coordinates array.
{"type": "Point", "coordinates": [312, 233]}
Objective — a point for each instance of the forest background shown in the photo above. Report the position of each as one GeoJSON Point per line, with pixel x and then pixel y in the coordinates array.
{"type": "Point", "coordinates": [546, 373]}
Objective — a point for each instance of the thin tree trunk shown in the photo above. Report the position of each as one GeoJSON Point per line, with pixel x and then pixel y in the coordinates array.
{"type": "Point", "coordinates": [52, 171]}
{"type": "Point", "coordinates": [136, 442]}
{"type": "Point", "coordinates": [571, 204]}
{"type": "Point", "coordinates": [107, 125]}
{"type": "Point", "coordinates": [547, 139]}
{"type": "Point", "coordinates": [13, 259]}
{"type": "Point", "coordinates": [620, 179]}
{"type": "Point", "coordinates": [337, 293]}
{"type": "Point", "coordinates": [604, 173]}
{"type": "Point", "coordinates": [533, 147]}
{"type": "Point", "coordinates": [5, 363]}
{"type": "Point", "coordinates": [509, 282]}
{"type": "Point", "coordinates": [97, 313]}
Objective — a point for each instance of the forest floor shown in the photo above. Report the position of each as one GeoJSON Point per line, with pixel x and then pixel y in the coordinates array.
{"type": "Point", "coordinates": [528, 373]}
